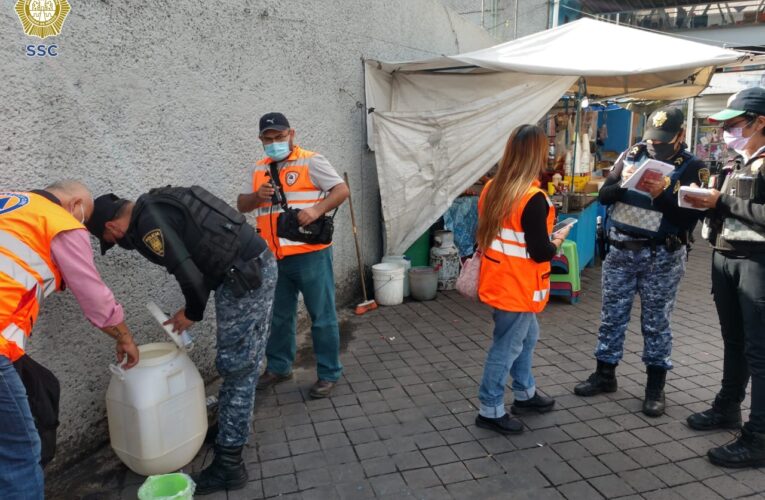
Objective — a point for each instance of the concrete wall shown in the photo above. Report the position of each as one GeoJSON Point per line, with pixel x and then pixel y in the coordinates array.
{"type": "Point", "coordinates": [143, 96]}
{"type": "Point", "coordinates": [499, 16]}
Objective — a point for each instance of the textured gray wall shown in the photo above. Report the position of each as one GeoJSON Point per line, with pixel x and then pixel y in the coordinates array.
{"type": "Point", "coordinates": [532, 16]}
{"type": "Point", "coordinates": [143, 96]}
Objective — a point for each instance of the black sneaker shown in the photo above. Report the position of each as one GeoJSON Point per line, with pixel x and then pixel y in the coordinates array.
{"type": "Point", "coordinates": [539, 404]}
{"type": "Point", "coordinates": [748, 450]}
{"type": "Point", "coordinates": [504, 424]}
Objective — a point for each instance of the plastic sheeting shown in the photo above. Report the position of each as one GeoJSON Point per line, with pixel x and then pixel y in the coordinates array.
{"type": "Point", "coordinates": [437, 125]}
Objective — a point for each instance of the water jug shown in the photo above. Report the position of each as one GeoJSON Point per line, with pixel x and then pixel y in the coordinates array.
{"type": "Point", "coordinates": [445, 257]}
{"type": "Point", "coordinates": [156, 410]}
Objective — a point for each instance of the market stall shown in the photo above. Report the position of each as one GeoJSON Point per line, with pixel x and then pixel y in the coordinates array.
{"type": "Point", "coordinates": [438, 125]}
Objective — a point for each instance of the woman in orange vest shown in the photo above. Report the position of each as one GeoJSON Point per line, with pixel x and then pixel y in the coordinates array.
{"type": "Point", "coordinates": [515, 218]}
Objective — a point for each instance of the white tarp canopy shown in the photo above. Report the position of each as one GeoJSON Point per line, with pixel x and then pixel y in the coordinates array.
{"type": "Point", "coordinates": [437, 125]}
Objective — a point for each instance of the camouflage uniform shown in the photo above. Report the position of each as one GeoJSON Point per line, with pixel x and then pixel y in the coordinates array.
{"type": "Point", "coordinates": [656, 279]}
{"type": "Point", "coordinates": [243, 329]}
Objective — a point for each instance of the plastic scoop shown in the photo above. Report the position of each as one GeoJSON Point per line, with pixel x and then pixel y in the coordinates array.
{"type": "Point", "coordinates": [183, 341]}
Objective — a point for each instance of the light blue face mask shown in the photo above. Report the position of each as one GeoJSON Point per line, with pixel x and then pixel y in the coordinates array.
{"type": "Point", "coordinates": [277, 151]}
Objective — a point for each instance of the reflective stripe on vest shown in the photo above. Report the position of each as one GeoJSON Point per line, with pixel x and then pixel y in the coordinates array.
{"type": "Point", "coordinates": [15, 334]}
{"type": "Point", "coordinates": [32, 259]}
{"type": "Point", "coordinates": [540, 295]}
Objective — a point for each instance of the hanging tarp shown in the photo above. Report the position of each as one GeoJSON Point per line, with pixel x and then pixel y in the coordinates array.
{"type": "Point", "coordinates": [437, 125]}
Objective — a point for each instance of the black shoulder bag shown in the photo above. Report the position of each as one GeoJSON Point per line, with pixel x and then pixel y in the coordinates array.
{"type": "Point", "coordinates": [318, 232]}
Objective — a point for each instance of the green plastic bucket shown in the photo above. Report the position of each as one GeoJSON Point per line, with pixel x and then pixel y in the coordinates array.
{"type": "Point", "coordinates": [175, 486]}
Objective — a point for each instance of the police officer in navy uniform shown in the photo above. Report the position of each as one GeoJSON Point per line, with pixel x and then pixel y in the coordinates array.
{"type": "Point", "coordinates": [647, 234]}
{"type": "Point", "coordinates": [736, 228]}
{"type": "Point", "coordinates": [206, 245]}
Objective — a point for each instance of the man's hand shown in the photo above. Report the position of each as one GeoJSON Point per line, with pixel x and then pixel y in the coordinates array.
{"type": "Point", "coordinates": [266, 191]}
{"type": "Point", "coordinates": [127, 350]}
{"type": "Point", "coordinates": [308, 215]}
{"type": "Point", "coordinates": [179, 321]}
{"type": "Point", "coordinates": [702, 201]}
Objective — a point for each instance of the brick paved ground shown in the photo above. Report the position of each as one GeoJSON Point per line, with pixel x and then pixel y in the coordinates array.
{"type": "Point", "coordinates": [400, 423]}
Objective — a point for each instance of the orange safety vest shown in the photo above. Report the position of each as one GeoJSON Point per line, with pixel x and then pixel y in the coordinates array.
{"type": "Point", "coordinates": [28, 224]}
{"type": "Point", "coordinates": [510, 280]}
{"type": "Point", "coordinates": [300, 192]}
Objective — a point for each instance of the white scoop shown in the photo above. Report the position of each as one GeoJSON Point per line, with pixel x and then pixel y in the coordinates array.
{"type": "Point", "coordinates": [183, 341]}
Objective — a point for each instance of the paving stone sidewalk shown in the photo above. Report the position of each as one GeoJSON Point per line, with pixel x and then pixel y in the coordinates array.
{"type": "Point", "coordinates": [400, 423]}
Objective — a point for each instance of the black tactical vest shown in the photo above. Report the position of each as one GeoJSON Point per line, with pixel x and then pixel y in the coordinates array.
{"type": "Point", "coordinates": [224, 231]}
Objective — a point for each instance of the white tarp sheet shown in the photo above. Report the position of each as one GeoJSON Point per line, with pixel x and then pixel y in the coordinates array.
{"type": "Point", "coordinates": [437, 125]}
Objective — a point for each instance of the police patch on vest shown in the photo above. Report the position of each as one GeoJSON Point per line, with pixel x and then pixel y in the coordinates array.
{"type": "Point", "coordinates": [291, 178]}
{"type": "Point", "coordinates": [704, 175]}
{"type": "Point", "coordinates": [155, 241]}
{"type": "Point", "coordinates": [12, 201]}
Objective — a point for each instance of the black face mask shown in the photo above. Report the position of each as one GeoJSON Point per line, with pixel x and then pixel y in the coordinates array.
{"type": "Point", "coordinates": [661, 152]}
{"type": "Point", "coordinates": [126, 243]}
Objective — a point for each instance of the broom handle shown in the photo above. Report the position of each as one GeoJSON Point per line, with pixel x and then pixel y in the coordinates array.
{"type": "Point", "coordinates": [356, 238]}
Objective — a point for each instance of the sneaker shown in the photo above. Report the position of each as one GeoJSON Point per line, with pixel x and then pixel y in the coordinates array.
{"type": "Point", "coordinates": [504, 424]}
{"type": "Point", "coordinates": [538, 403]}
{"type": "Point", "coordinates": [748, 450]}
{"type": "Point", "coordinates": [270, 379]}
{"type": "Point", "coordinates": [322, 389]}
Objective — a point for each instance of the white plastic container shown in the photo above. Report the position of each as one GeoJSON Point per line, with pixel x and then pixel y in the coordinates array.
{"type": "Point", "coordinates": [389, 283]}
{"type": "Point", "coordinates": [156, 410]}
{"type": "Point", "coordinates": [400, 259]}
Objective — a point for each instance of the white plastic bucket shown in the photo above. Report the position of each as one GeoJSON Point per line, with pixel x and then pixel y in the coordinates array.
{"type": "Point", "coordinates": [401, 259]}
{"type": "Point", "coordinates": [389, 283]}
{"type": "Point", "coordinates": [424, 281]}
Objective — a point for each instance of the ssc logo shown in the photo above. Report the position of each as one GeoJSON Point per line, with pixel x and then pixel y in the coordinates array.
{"type": "Point", "coordinates": [42, 18]}
{"type": "Point", "coordinates": [291, 178]}
{"type": "Point", "coordinates": [12, 201]}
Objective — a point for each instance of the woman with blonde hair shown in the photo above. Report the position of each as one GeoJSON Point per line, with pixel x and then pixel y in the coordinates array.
{"type": "Point", "coordinates": [515, 218]}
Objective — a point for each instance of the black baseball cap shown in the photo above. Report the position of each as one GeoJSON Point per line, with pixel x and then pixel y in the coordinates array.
{"type": "Point", "coordinates": [105, 208]}
{"type": "Point", "coordinates": [750, 100]}
{"type": "Point", "coordinates": [664, 124]}
{"type": "Point", "coordinates": [273, 121]}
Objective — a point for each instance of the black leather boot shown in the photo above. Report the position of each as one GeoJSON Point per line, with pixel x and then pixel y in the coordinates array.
{"type": "Point", "coordinates": [653, 404]}
{"type": "Point", "coordinates": [603, 380]}
{"type": "Point", "coordinates": [748, 450]}
{"type": "Point", "coordinates": [724, 414]}
{"type": "Point", "coordinates": [226, 472]}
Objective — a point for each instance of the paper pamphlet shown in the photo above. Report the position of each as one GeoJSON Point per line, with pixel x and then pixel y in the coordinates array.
{"type": "Point", "coordinates": [685, 190]}
{"type": "Point", "coordinates": [649, 170]}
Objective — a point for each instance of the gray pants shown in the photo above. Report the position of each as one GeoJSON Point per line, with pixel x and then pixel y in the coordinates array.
{"type": "Point", "coordinates": [244, 324]}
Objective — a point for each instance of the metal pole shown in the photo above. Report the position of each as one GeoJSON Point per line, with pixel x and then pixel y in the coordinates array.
{"type": "Point", "coordinates": [483, 9]}
{"type": "Point", "coordinates": [689, 120]}
{"type": "Point", "coordinates": [515, 21]}
{"type": "Point", "coordinates": [580, 94]}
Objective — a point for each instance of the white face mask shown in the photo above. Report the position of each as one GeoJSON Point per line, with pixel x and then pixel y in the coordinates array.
{"type": "Point", "coordinates": [734, 139]}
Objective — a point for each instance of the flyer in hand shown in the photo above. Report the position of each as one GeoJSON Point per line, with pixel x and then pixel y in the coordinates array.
{"type": "Point", "coordinates": [648, 171]}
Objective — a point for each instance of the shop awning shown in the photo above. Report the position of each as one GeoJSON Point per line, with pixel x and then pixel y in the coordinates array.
{"type": "Point", "coordinates": [438, 124]}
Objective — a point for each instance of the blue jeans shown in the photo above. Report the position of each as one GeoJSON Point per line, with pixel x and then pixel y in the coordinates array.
{"type": "Point", "coordinates": [511, 352]}
{"type": "Point", "coordinates": [310, 274]}
{"type": "Point", "coordinates": [21, 477]}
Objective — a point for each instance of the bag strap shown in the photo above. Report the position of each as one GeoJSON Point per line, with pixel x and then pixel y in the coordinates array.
{"type": "Point", "coordinates": [278, 183]}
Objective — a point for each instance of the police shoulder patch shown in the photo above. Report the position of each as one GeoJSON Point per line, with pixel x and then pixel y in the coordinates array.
{"type": "Point", "coordinates": [155, 241]}
{"type": "Point", "coordinates": [704, 175]}
{"type": "Point", "coordinates": [677, 187]}
{"type": "Point", "coordinates": [679, 161]}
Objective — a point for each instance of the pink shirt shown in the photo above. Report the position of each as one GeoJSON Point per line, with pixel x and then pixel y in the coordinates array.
{"type": "Point", "coordinates": [73, 255]}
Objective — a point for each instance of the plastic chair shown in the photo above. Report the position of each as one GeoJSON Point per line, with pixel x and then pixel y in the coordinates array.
{"type": "Point", "coordinates": [565, 280]}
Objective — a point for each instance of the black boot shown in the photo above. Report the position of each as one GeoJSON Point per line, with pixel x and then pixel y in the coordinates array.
{"type": "Point", "coordinates": [226, 472]}
{"type": "Point", "coordinates": [653, 404]}
{"type": "Point", "coordinates": [748, 450]}
{"type": "Point", "coordinates": [603, 380]}
{"type": "Point", "coordinates": [724, 414]}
